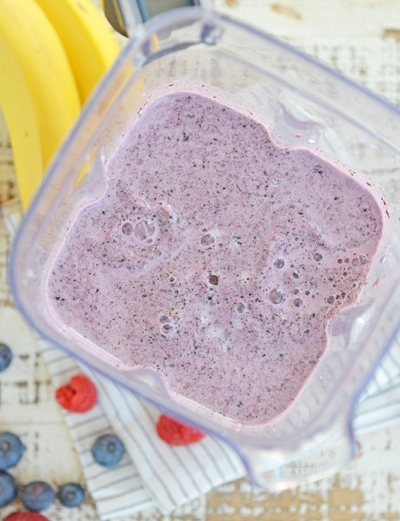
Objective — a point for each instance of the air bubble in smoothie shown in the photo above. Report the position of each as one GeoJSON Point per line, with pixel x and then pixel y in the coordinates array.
{"type": "Point", "coordinates": [127, 228]}
{"type": "Point", "coordinates": [276, 296]}
{"type": "Point", "coordinates": [241, 308]}
{"type": "Point", "coordinates": [144, 230]}
{"type": "Point", "coordinates": [207, 240]}
{"type": "Point", "coordinates": [213, 280]}
{"type": "Point", "coordinates": [167, 329]}
{"type": "Point", "coordinates": [264, 286]}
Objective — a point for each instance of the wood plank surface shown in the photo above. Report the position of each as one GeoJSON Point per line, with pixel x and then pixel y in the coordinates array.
{"type": "Point", "coordinates": [361, 38]}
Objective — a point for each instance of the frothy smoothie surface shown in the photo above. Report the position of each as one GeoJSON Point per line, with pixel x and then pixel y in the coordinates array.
{"type": "Point", "coordinates": [216, 258]}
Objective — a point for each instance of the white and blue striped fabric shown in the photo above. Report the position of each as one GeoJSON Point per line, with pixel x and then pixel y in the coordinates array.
{"type": "Point", "coordinates": [153, 474]}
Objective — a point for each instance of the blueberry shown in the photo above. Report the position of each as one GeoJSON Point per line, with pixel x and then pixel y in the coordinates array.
{"type": "Point", "coordinates": [11, 450]}
{"type": "Point", "coordinates": [71, 495]}
{"type": "Point", "coordinates": [5, 357]}
{"type": "Point", "coordinates": [8, 488]}
{"type": "Point", "coordinates": [108, 450]}
{"type": "Point", "coordinates": [37, 495]}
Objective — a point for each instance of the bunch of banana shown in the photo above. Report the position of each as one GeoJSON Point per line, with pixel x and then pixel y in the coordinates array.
{"type": "Point", "coordinates": [52, 54]}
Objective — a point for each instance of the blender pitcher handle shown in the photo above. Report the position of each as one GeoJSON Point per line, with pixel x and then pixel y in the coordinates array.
{"type": "Point", "coordinates": [318, 457]}
{"type": "Point", "coordinates": [126, 15]}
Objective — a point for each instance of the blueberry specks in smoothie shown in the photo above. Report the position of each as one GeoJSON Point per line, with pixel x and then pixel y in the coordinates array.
{"type": "Point", "coordinates": [216, 257]}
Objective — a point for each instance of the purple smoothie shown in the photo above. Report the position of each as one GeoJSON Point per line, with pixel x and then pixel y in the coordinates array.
{"type": "Point", "coordinates": [216, 257]}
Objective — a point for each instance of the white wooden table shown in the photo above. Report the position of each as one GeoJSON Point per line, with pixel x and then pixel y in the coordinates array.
{"type": "Point", "coordinates": [361, 38]}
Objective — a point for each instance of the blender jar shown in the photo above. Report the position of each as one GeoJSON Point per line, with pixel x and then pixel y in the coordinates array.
{"type": "Point", "coordinates": [303, 104]}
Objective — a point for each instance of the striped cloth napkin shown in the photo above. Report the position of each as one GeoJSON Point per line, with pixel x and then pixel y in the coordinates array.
{"type": "Point", "coordinates": [153, 474]}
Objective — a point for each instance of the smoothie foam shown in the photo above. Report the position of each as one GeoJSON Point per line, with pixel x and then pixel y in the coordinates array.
{"type": "Point", "coordinates": [216, 257]}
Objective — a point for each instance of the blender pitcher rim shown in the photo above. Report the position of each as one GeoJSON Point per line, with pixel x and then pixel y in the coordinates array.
{"type": "Point", "coordinates": [154, 25]}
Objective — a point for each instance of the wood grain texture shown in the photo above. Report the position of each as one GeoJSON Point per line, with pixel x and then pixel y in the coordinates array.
{"type": "Point", "coordinates": [361, 39]}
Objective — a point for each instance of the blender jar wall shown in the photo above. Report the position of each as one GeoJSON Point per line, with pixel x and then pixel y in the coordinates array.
{"type": "Point", "coordinates": [302, 103]}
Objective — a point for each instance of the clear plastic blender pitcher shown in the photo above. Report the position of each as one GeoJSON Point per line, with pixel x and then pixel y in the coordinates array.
{"type": "Point", "coordinates": [303, 104]}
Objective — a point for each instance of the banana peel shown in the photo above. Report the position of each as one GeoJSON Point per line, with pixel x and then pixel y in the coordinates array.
{"type": "Point", "coordinates": [33, 55]}
{"type": "Point", "coordinates": [87, 38]}
{"type": "Point", "coordinates": [20, 115]}
{"type": "Point", "coordinates": [52, 55]}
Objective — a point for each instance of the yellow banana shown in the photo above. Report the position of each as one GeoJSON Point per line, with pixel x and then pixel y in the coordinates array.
{"type": "Point", "coordinates": [20, 115]}
{"type": "Point", "coordinates": [41, 57]}
{"type": "Point", "coordinates": [88, 40]}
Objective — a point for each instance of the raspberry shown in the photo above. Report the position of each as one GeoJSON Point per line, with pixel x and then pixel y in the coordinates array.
{"type": "Point", "coordinates": [80, 395]}
{"type": "Point", "coordinates": [25, 516]}
{"type": "Point", "coordinates": [175, 433]}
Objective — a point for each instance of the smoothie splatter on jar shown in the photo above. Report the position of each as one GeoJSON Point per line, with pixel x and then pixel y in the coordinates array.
{"type": "Point", "coordinates": [216, 257]}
